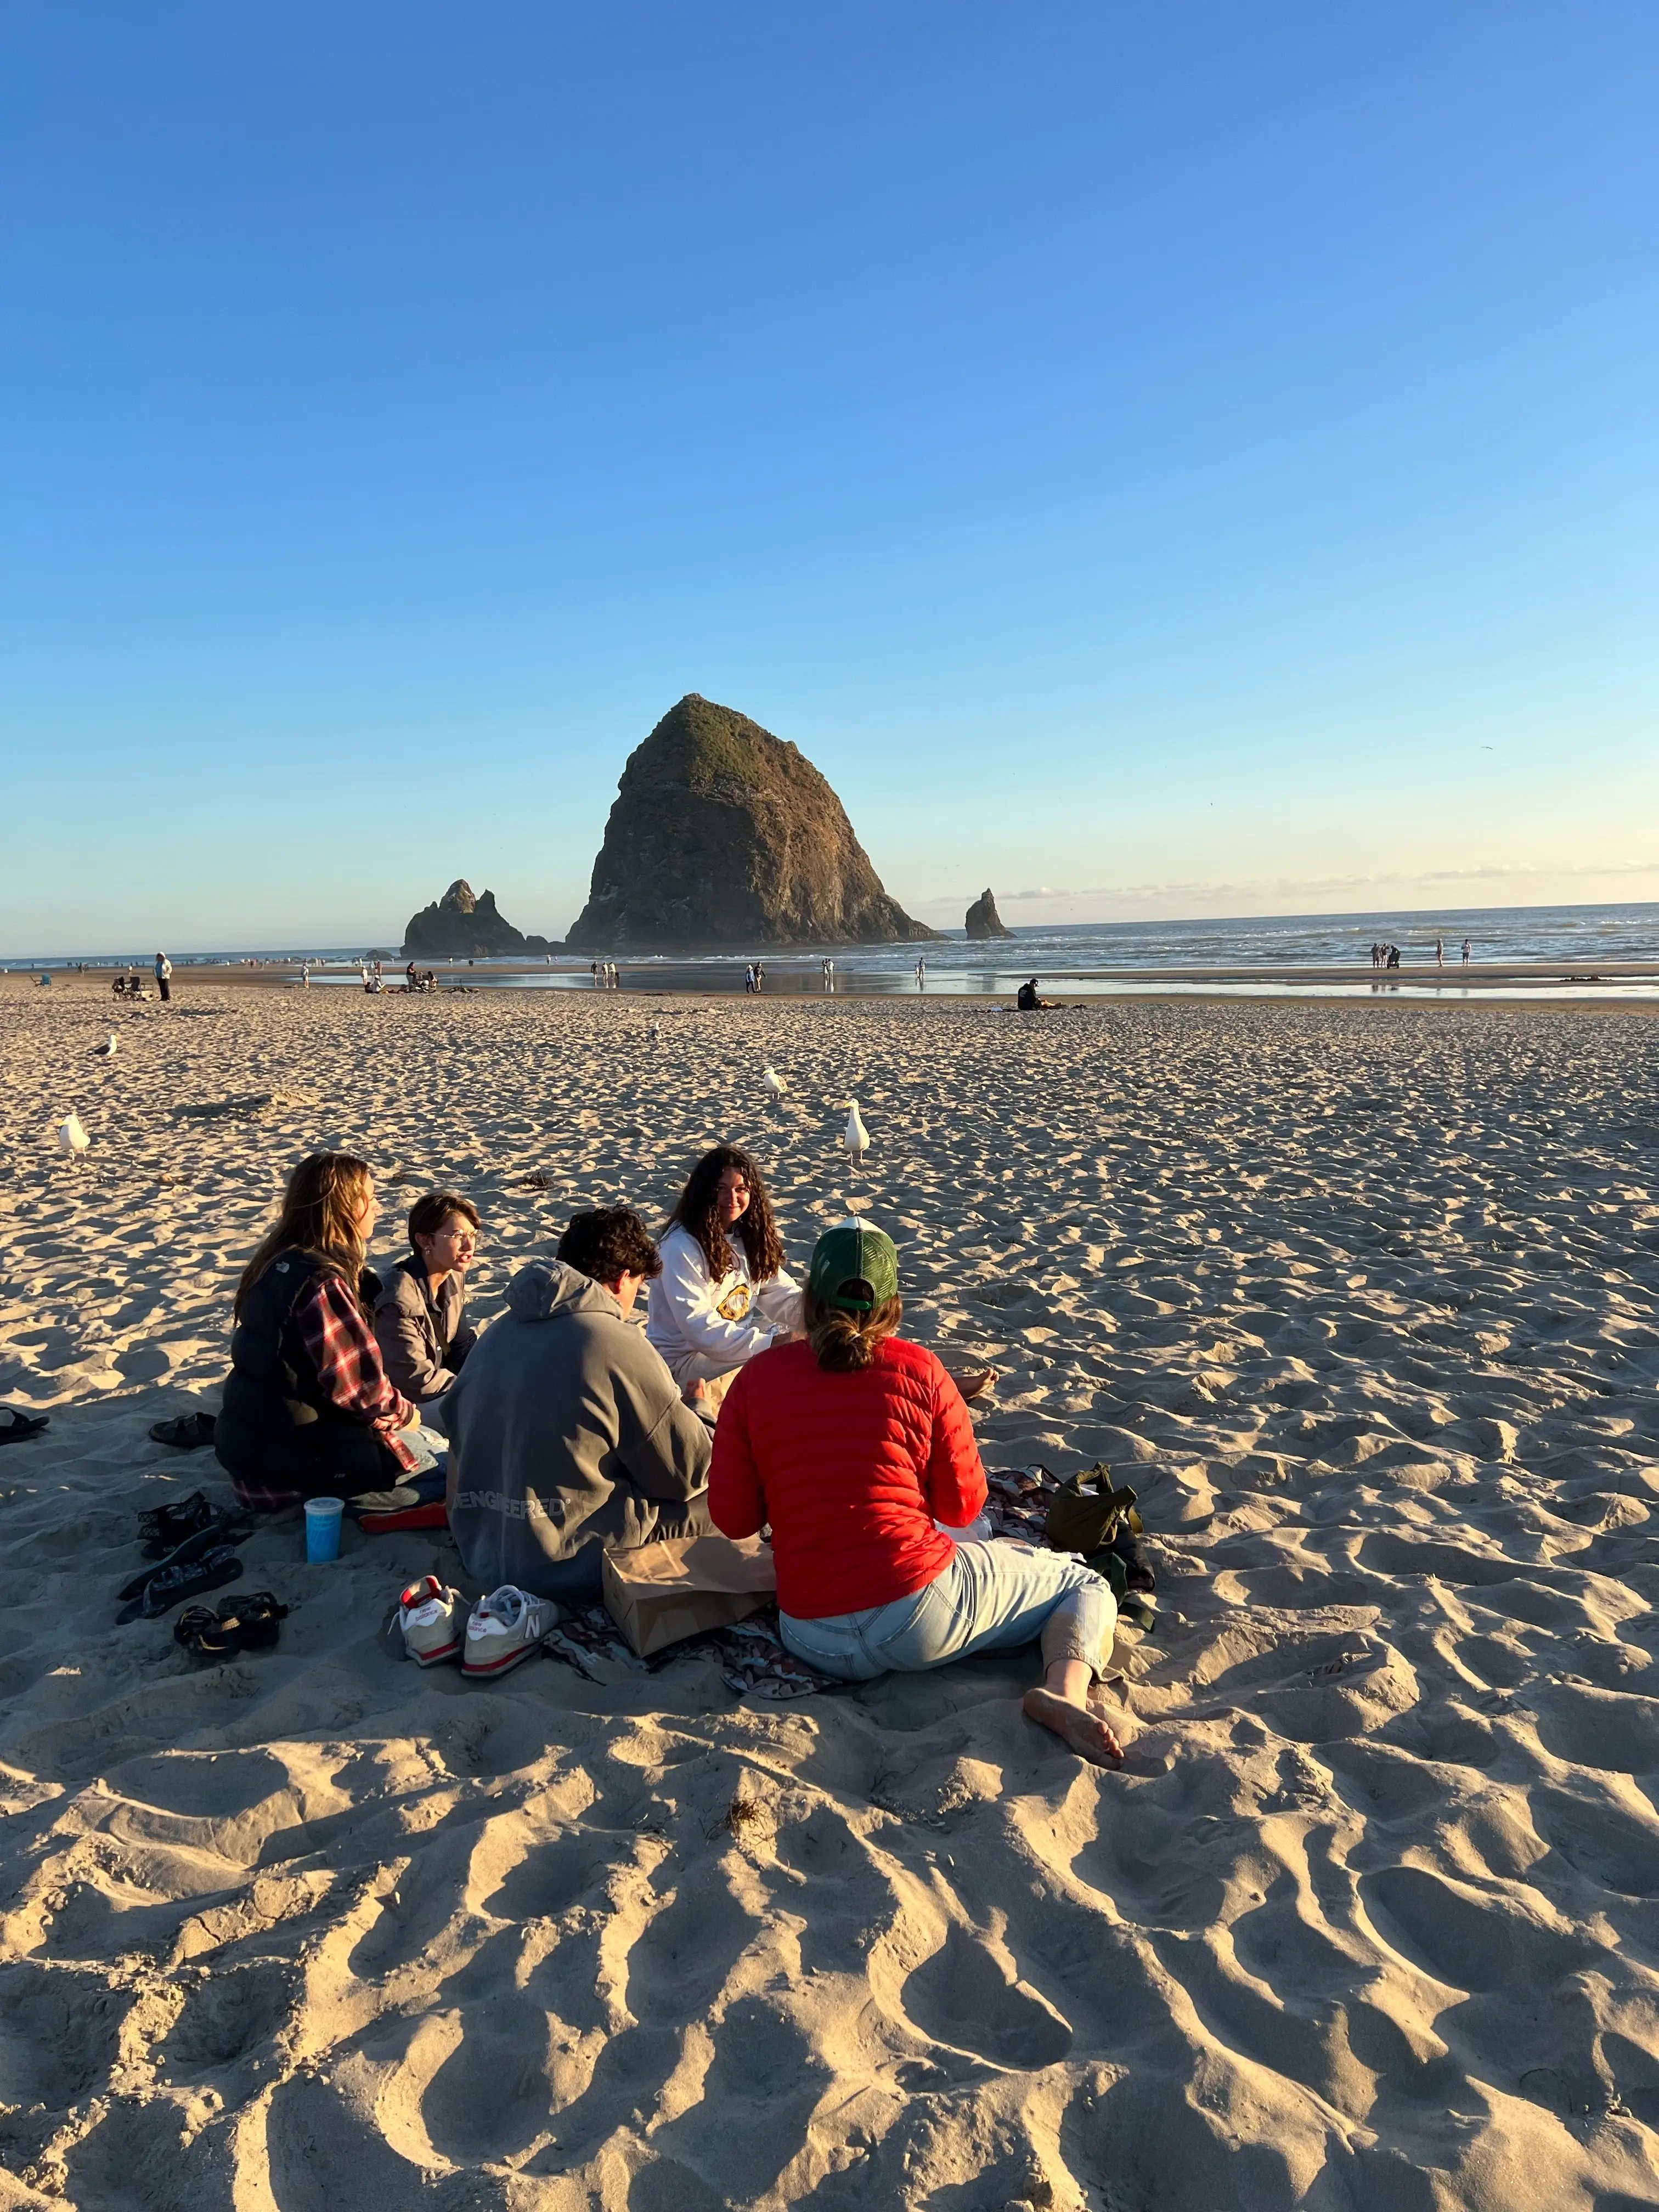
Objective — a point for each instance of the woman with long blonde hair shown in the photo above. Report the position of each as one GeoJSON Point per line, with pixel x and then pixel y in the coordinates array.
{"type": "Point", "coordinates": [308, 1411]}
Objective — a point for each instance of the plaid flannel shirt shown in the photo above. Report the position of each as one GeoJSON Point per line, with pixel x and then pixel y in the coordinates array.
{"type": "Point", "coordinates": [334, 1332]}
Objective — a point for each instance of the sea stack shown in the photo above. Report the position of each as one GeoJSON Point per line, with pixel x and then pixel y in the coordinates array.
{"type": "Point", "coordinates": [723, 835]}
{"type": "Point", "coordinates": [458, 927]}
{"type": "Point", "coordinates": [984, 920]}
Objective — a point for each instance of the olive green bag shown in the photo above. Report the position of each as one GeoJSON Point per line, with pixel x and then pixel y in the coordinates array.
{"type": "Point", "coordinates": [1088, 1516]}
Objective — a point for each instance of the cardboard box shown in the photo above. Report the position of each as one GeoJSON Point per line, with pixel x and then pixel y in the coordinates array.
{"type": "Point", "coordinates": [660, 1594]}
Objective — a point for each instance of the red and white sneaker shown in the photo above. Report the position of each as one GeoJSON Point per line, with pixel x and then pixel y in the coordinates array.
{"type": "Point", "coordinates": [505, 1627]}
{"type": "Point", "coordinates": [430, 1618]}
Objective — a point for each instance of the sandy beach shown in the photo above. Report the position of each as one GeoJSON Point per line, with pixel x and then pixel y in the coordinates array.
{"type": "Point", "coordinates": [1360, 1298]}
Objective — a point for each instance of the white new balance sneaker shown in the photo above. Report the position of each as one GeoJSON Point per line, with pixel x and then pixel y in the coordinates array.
{"type": "Point", "coordinates": [430, 1617]}
{"type": "Point", "coordinates": [505, 1627]}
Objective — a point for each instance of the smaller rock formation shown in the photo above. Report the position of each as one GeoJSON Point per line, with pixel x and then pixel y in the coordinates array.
{"type": "Point", "coordinates": [984, 920]}
{"type": "Point", "coordinates": [458, 927]}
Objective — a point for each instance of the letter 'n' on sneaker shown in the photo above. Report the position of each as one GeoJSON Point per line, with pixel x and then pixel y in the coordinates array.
{"type": "Point", "coordinates": [505, 1627]}
{"type": "Point", "coordinates": [430, 1618]}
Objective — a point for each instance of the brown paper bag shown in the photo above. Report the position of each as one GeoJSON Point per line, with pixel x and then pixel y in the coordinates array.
{"type": "Point", "coordinates": [660, 1594]}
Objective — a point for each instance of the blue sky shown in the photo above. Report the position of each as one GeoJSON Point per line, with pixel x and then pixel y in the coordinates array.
{"type": "Point", "coordinates": [1177, 460]}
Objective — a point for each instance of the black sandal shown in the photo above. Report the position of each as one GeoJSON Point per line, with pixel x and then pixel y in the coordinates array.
{"type": "Point", "coordinates": [164, 1527]}
{"type": "Point", "coordinates": [241, 1624]}
{"type": "Point", "coordinates": [220, 1529]}
{"type": "Point", "coordinates": [203, 1634]}
{"type": "Point", "coordinates": [253, 1621]}
{"type": "Point", "coordinates": [20, 1425]}
{"type": "Point", "coordinates": [184, 1578]}
{"type": "Point", "coordinates": [187, 1433]}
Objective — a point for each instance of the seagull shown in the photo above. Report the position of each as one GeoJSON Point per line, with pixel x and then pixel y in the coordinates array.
{"type": "Point", "coordinates": [72, 1138]}
{"type": "Point", "coordinates": [774, 1082]}
{"type": "Point", "coordinates": [857, 1136]}
{"type": "Point", "coordinates": [107, 1051]}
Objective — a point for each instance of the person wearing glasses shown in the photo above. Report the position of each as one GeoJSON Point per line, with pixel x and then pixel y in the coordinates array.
{"type": "Point", "coordinates": [420, 1315]}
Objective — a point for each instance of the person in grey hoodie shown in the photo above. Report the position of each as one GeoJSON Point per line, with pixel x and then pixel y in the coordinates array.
{"type": "Point", "coordinates": [568, 1437]}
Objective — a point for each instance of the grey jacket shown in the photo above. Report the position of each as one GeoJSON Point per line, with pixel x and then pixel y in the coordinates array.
{"type": "Point", "coordinates": [423, 1339]}
{"type": "Point", "coordinates": [564, 1427]}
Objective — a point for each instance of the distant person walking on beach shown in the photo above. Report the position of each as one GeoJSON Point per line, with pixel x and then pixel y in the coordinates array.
{"type": "Point", "coordinates": [759, 978]}
{"type": "Point", "coordinates": [1439, 951]}
{"type": "Point", "coordinates": [749, 981]}
{"type": "Point", "coordinates": [163, 975]}
{"type": "Point", "coordinates": [922, 975]}
{"type": "Point", "coordinates": [1468, 947]}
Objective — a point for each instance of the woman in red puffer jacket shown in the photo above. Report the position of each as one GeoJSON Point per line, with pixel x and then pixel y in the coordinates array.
{"type": "Point", "coordinates": [855, 1445]}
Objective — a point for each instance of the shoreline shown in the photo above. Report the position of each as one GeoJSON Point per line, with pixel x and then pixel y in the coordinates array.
{"type": "Point", "coordinates": [1622, 985]}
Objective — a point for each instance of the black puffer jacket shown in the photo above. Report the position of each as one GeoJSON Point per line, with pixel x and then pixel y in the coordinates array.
{"type": "Point", "coordinates": [277, 1428]}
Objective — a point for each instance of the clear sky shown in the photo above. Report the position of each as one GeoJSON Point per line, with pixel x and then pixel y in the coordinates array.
{"type": "Point", "coordinates": [1155, 459]}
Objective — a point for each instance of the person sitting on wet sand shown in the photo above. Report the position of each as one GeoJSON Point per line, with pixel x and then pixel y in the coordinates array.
{"type": "Point", "coordinates": [420, 1315]}
{"type": "Point", "coordinates": [568, 1434]}
{"type": "Point", "coordinates": [853, 1444]}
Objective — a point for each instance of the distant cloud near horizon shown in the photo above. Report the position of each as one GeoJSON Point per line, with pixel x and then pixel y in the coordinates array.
{"type": "Point", "coordinates": [1314, 887]}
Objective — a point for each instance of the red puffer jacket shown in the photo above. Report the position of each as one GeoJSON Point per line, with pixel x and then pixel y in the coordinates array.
{"type": "Point", "coordinates": [851, 1470]}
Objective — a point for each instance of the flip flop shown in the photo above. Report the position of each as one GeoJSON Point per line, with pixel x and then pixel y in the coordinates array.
{"type": "Point", "coordinates": [188, 1432]}
{"type": "Point", "coordinates": [18, 1425]}
{"type": "Point", "coordinates": [169, 1584]}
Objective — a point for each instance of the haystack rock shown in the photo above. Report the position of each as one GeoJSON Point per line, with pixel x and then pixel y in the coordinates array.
{"type": "Point", "coordinates": [458, 927]}
{"type": "Point", "coordinates": [984, 920]}
{"type": "Point", "coordinates": [723, 835]}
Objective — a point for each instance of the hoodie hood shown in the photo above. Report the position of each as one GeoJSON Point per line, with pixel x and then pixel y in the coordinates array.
{"type": "Point", "coordinates": [538, 1292]}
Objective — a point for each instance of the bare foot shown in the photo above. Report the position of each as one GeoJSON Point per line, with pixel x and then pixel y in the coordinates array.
{"type": "Point", "coordinates": [976, 1384]}
{"type": "Point", "coordinates": [1078, 1727]}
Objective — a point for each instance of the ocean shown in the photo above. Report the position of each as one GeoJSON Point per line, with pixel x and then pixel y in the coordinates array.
{"type": "Point", "coordinates": [1577, 940]}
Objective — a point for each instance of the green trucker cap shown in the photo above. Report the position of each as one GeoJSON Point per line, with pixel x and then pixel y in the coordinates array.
{"type": "Point", "coordinates": [854, 1267]}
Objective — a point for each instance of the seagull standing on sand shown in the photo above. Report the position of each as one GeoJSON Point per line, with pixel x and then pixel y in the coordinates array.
{"type": "Point", "coordinates": [857, 1136]}
{"type": "Point", "coordinates": [72, 1138]}
{"type": "Point", "coordinates": [774, 1082]}
{"type": "Point", "coordinates": [107, 1051]}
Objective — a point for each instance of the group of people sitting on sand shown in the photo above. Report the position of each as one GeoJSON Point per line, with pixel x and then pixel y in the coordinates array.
{"type": "Point", "coordinates": [748, 1401]}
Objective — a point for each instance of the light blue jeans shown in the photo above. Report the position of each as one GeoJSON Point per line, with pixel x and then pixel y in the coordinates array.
{"type": "Point", "coordinates": [992, 1597]}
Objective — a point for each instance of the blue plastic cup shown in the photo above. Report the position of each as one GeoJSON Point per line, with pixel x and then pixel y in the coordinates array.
{"type": "Point", "coordinates": [323, 1517]}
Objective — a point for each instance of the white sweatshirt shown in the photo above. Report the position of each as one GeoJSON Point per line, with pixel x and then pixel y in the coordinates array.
{"type": "Point", "coordinates": [705, 1328]}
